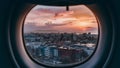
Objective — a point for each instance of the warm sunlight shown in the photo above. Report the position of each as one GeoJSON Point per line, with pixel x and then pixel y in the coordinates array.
{"type": "Point", "coordinates": [56, 36]}
{"type": "Point", "coordinates": [57, 18]}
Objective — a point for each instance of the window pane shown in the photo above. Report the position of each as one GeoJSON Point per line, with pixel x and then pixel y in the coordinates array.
{"type": "Point", "coordinates": [54, 35]}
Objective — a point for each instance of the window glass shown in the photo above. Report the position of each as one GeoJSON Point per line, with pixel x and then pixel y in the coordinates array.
{"type": "Point", "coordinates": [54, 35]}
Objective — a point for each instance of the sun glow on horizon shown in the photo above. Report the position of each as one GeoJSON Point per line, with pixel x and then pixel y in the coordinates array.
{"type": "Point", "coordinates": [78, 19]}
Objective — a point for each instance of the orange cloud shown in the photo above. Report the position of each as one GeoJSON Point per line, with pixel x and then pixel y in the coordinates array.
{"type": "Point", "coordinates": [78, 19]}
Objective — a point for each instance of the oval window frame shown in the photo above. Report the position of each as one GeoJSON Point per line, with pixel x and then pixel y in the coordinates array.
{"type": "Point", "coordinates": [19, 42]}
{"type": "Point", "coordinates": [62, 65]}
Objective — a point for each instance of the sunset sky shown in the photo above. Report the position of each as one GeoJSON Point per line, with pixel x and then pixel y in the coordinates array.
{"type": "Point", "coordinates": [78, 19]}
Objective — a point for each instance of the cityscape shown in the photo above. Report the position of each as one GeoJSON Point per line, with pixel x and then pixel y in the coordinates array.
{"type": "Point", "coordinates": [55, 36]}
{"type": "Point", "coordinates": [60, 48]}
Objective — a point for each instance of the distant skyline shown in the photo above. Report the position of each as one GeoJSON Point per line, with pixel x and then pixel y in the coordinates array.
{"type": "Point", "coordinates": [78, 19]}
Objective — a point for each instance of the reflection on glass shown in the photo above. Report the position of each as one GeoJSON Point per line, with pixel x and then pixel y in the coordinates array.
{"type": "Point", "coordinates": [56, 36]}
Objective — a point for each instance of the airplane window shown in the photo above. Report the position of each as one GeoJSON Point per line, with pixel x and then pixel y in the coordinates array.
{"type": "Point", "coordinates": [54, 35]}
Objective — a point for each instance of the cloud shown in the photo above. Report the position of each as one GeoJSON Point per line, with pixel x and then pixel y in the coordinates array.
{"type": "Point", "coordinates": [78, 19]}
{"type": "Point", "coordinates": [49, 9]}
{"type": "Point", "coordinates": [53, 24]}
{"type": "Point", "coordinates": [31, 27]}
